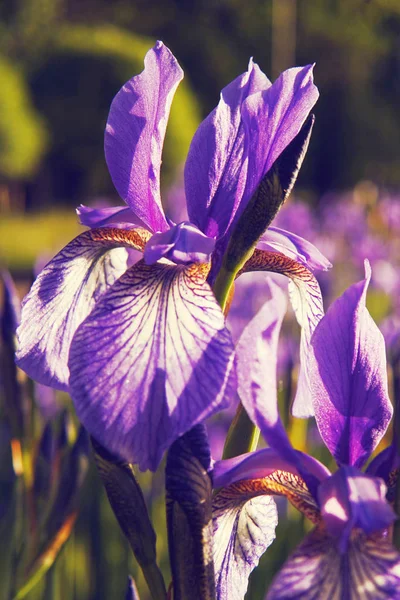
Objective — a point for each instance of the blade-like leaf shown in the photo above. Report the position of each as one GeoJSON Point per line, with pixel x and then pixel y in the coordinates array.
{"type": "Point", "coordinates": [127, 501]}
{"type": "Point", "coordinates": [189, 516]}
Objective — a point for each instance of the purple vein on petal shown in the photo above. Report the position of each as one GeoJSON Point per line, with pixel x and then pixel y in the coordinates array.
{"type": "Point", "coordinates": [160, 357]}
{"type": "Point", "coordinates": [370, 570]}
{"type": "Point", "coordinates": [244, 527]}
{"type": "Point", "coordinates": [135, 133]}
{"type": "Point", "coordinates": [349, 379]}
{"type": "Point", "coordinates": [61, 297]}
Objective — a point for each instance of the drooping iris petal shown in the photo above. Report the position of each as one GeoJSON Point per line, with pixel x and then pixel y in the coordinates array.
{"type": "Point", "coordinates": [153, 359]}
{"type": "Point", "coordinates": [216, 167]}
{"type": "Point", "coordinates": [293, 246]}
{"type": "Point", "coordinates": [305, 296]}
{"type": "Point", "coordinates": [261, 464]}
{"type": "Point", "coordinates": [272, 118]}
{"type": "Point", "coordinates": [369, 570]}
{"type": "Point", "coordinates": [63, 295]}
{"type": "Point", "coordinates": [108, 215]}
{"type": "Point", "coordinates": [348, 500]}
{"type": "Point", "coordinates": [135, 134]}
{"type": "Point", "coordinates": [182, 244]}
{"type": "Point", "coordinates": [244, 527]}
{"type": "Point", "coordinates": [348, 378]}
{"type": "Point", "coordinates": [256, 353]}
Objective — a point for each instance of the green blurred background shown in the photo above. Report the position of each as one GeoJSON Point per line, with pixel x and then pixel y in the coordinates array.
{"type": "Point", "coordinates": [61, 63]}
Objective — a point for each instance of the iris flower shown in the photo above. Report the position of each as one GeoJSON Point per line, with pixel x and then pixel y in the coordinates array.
{"type": "Point", "coordinates": [348, 554]}
{"type": "Point", "coordinates": [144, 351]}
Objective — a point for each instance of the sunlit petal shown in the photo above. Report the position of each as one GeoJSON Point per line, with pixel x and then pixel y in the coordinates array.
{"type": "Point", "coordinates": [182, 244]}
{"type": "Point", "coordinates": [244, 519]}
{"type": "Point", "coordinates": [216, 168]}
{"type": "Point", "coordinates": [135, 133]}
{"type": "Point", "coordinates": [305, 296]}
{"type": "Point", "coordinates": [64, 294]}
{"type": "Point", "coordinates": [293, 246]}
{"type": "Point", "coordinates": [352, 500]}
{"type": "Point", "coordinates": [349, 379]}
{"type": "Point", "coordinates": [369, 570]}
{"type": "Point", "coordinates": [108, 215]}
{"type": "Point", "coordinates": [272, 118]}
{"type": "Point", "coordinates": [153, 359]}
{"type": "Point", "coordinates": [265, 463]}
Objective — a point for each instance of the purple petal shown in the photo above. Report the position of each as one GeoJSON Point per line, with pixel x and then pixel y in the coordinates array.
{"type": "Point", "coordinates": [295, 247]}
{"type": "Point", "coordinates": [60, 299]}
{"type": "Point", "coordinates": [386, 465]}
{"type": "Point", "coordinates": [244, 527]}
{"type": "Point", "coordinates": [305, 296]}
{"type": "Point", "coordinates": [109, 215]}
{"type": "Point", "coordinates": [182, 244]}
{"type": "Point", "coordinates": [272, 118]}
{"type": "Point", "coordinates": [256, 353]}
{"type": "Point", "coordinates": [261, 464]}
{"type": "Point", "coordinates": [153, 359]}
{"type": "Point", "coordinates": [370, 570]}
{"type": "Point", "coordinates": [135, 134]}
{"type": "Point", "coordinates": [216, 169]}
{"type": "Point", "coordinates": [348, 378]}
{"type": "Point", "coordinates": [349, 499]}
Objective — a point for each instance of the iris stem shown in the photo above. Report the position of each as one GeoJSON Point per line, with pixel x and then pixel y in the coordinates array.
{"type": "Point", "coordinates": [242, 436]}
{"type": "Point", "coordinates": [222, 287]}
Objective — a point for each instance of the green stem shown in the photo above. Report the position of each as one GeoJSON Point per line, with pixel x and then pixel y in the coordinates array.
{"type": "Point", "coordinates": [222, 286]}
{"type": "Point", "coordinates": [155, 581]}
{"type": "Point", "coordinates": [242, 436]}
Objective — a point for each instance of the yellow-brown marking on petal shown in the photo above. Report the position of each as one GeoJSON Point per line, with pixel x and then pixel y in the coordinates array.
{"type": "Point", "coordinates": [276, 262]}
{"type": "Point", "coordinates": [280, 483]}
{"type": "Point", "coordinates": [129, 238]}
{"type": "Point", "coordinates": [198, 271]}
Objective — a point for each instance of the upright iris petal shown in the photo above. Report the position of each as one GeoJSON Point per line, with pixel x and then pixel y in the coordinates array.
{"type": "Point", "coordinates": [135, 134]}
{"type": "Point", "coordinates": [348, 378]}
{"type": "Point", "coordinates": [239, 141]}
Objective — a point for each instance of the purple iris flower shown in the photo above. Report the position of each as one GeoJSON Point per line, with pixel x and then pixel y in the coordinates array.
{"type": "Point", "coordinates": [348, 554]}
{"type": "Point", "coordinates": [144, 351]}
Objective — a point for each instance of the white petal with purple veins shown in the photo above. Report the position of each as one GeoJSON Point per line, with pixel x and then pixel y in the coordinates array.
{"type": "Point", "coordinates": [244, 527]}
{"type": "Point", "coordinates": [60, 299]}
{"type": "Point", "coordinates": [369, 570]}
{"type": "Point", "coordinates": [153, 359]}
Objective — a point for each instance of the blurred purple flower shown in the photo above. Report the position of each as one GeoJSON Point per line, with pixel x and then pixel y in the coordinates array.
{"type": "Point", "coordinates": [145, 352]}
{"type": "Point", "coordinates": [348, 550]}
{"type": "Point", "coordinates": [389, 209]}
